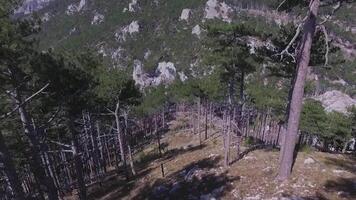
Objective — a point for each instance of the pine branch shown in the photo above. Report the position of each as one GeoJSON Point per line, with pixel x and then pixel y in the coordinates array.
{"type": "Point", "coordinates": [24, 103]}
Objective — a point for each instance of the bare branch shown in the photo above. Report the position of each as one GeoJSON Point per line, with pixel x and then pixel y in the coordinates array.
{"type": "Point", "coordinates": [60, 144]}
{"type": "Point", "coordinates": [328, 17]}
{"type": "Point", "coordinates": [25, 102]}
{"type": "Point", "coordinates": [286, 50]}
{"type": "Point", "coordinates": [281, 4]}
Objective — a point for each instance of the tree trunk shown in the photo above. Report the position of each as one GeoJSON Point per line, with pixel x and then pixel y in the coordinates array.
{"type": "Point", "coordinates": [38, 169]}
{"type": "Point", "coordinates": [199, 132]}
{"type": "Point", "coordinates": [121, 138]}
{"type": "Point", "coordinates": [128, 145]}
{"type": "Point", "coordinates": [303, 58]}
{"type": "Point", "coordinates": [206, 119]}
{"type": "Point", "coordinates": [78, 162]}
{"type": "Point", "coordinates": [10, 171]}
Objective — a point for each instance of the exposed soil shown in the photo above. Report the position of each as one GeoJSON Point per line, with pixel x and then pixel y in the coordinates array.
{"type": "Point", "coordinates": [194, 171]}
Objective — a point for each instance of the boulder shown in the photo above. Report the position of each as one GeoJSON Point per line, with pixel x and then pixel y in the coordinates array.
{"type": "Point", "coordinates": [309, 161]}
{"type": "Point", "coordinates": [336, 101]}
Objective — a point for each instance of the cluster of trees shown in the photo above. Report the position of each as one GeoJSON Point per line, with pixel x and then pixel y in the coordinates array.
{"type": "Point", "coordinates": [333, 130]}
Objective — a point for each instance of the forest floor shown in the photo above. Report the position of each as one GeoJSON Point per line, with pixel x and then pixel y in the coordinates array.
{"type": "Point", "coordinates": [194, 171]}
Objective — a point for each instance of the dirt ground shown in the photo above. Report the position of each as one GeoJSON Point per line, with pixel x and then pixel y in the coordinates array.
{"type": "Point", "coordinates": [194, 171]}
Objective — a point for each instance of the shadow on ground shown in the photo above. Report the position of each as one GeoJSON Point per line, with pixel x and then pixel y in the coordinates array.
{"type": "Point", "coordinates": [344, 186]}
{"type": "Point", "coordinates": [200, 179]}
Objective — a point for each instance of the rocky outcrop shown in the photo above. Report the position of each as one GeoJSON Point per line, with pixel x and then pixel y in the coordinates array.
{"type": "Point", "coordinates": [196, 31]}
{"type": "Point", "coordinates": [164, 74]}
{"type": "Point", "coordinates": [185, 14]}
{"type": "Point", "coordinates": [126, 31]}
{"type": "Point", "coordinates": [74, 8]}
{"type": "Point", "coordinates": [336, 101]}
{"type": "Point", "coordinates": [219, 10]}
{"type": "Point", "coordinates": [30, 6]}
{"type": "Point", "coordinates": [97, 19]}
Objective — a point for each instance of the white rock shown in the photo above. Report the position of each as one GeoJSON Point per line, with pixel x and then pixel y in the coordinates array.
{"type": "Point", "coordinates": [185, 14]}
{"type": "Point", "coordinates": [133, 27]}
{"type": "Point", "coordinates": [196, 31]}
{"type": "Point", "coordinates": [117, 54]}
{"type": "Point", "coordinates": [132, 5]}
{"type": "Point", "coordinates": [97, 19]}
{"type": "Point", "coordinates": [102, 51]}
{"type": "Point", "coordinates": [338, 171]}
{"type": "Point", "coordinates": [30, 6]}
{"type": "Point", "coordinates": [353, 30]}
{"type": "Point", "coordinates": [182, 76]}
{"type": "Point", "coordinates": [72, 8]}
{"type": "Point", "coordinates": [167, 73]}
{"type": "Point", "coordinates": [73, 30]}
{"type": "Point", "coordinates": [257, 197]}
{"type": "Point", "coordinates": [336, 101]}
{"type": "Point", "coordinates": [215, 9]}
{"type": "Point", "coordinates": [340, 81]}
{"type": "Point", "coordinates": [147, 54]}
{"type": "Point", "coordinates": [309, 161]}
{"type": "Point", "coordinates": [81, 5]}
{"type": "Point", "coordinates": [249, 158]}
{"type": "Point", "coordinates": [139, 75]}
{"type": "Point", "coordinates": [130, 29]}
{"type": "Point", "coordinates": [46, 17]}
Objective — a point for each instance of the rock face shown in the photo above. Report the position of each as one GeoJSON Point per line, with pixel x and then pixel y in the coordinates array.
{"type": "Point", "coordinates": [165, 74]}
{"type": "Point", "coordinates": [133, 6]}
{"type": "Point", "coordinates": [97, 19]}
{"type": "Point", "coordinates": [128, 30]}
{"type": "Point", "coordinates": [73, 8]}
{"type": "Point", "coordinates": [309, 161]}
{"type": "Point", "coordinates": [30, 6]}
{"type": "Point", "coordinates": [196, 31]}
{"type": "Point", "coordinates": [185, 14]}
{"type": "Point", "coordinates": [336, 101]}
{"type": "Point", "coordinates": [219, 10]}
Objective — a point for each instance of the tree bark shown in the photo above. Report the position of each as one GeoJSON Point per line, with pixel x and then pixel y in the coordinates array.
{"type": "Point", "coordinates": [38, 169]}
{"type": "Point", "coordinates": [121, 138]}
{"type": "Point", "coordinates": [10, 171]}
{"type": "Point", "coordinates": [78, 162]}
{"type": "Point", "coordinates": [303, 58]}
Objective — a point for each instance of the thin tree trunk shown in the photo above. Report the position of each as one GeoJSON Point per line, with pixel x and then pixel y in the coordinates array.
{"type": "Point", "coordinates": [128, 145]}
{"type": "Point", "coordinates": [199, 132]}
{"type": "Point", "coordinates": [10, 171]}
{"type": "Point", "coordinates": [206, 119]}
{"type": "Point", "coordinates": [303, 59]}
{"type": "Point", "coordinates": [121, 138]}
{"type": "Point", "coordinates": [78, 162]}
{"type": "Point", "coordinates": [38, 169]}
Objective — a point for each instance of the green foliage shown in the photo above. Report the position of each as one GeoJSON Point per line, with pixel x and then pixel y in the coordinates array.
{"type": "Point", "coordinates": [313, 118]}
{"type": "Point", "coordinates": [155, 98]}
{"type": "Point", "coordinates": [267, 96]}
{"type": "Point", "coordinates": [115, 85]}
{"type": "Point", "coordinates": [330, 126]}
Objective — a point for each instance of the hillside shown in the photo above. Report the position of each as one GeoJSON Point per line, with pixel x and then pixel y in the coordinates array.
{"type": "Point", "coordinates": [177, 99]}
{"type": "Point", "coordinates": [196, 172]}
{"type": "Point", "coordinates": [160, 40]}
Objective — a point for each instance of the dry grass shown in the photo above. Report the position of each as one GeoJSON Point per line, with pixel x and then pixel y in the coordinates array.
{"type": "Point", "coordinates": [331, 176]}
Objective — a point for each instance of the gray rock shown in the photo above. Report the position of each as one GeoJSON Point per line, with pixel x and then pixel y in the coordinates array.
{"type": "Point", "coordinates": [309, 161]}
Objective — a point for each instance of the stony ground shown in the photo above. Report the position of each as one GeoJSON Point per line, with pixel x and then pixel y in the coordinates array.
{"type": "Point", "coordinates": [194, 171]}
